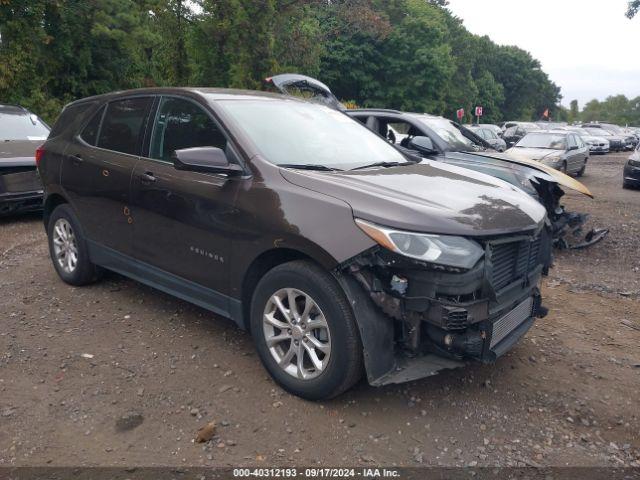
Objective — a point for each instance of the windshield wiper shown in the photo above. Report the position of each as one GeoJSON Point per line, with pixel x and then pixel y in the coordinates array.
{"type": "Point", "coordinates": [383, 164]}
{"type": "Point", "coordinates": [311, 166]}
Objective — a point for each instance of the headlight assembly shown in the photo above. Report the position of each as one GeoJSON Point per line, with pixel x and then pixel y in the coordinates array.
{"type": "Point", "coordinates": [440, 249]}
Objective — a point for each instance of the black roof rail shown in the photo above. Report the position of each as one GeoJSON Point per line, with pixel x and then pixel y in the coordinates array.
{"type": "Point", "coordinates": [383, 110]}
{"type": "Point", "coordinates": [14, 106]}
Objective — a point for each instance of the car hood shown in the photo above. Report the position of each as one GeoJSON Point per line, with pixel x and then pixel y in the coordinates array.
{"type": "Point", "coordinates": [428, 197]}
{"type": "Point", "coordinates": [18, 153]}
{"type": "Point", "coordinates": [556, 175]}
{"type": "Point", "coordinates": [536, 154]}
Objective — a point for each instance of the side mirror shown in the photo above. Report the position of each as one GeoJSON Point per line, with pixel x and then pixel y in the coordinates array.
{"type": "Point", "coordinates": [422, 144]}
{"type": "Point", "coordinates": [573, 147]}
{"type": "Point", "coordinates": [205, 159]}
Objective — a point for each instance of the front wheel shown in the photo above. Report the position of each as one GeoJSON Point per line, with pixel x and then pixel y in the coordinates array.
{"type": "Point", "coordinates": [305, 331]}
{"type": "Point", "coordinates": [582, 170]}
{"type": "Point", "coordinates": [563, 167]}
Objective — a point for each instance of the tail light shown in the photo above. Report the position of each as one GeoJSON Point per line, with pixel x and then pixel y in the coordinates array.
{"type": "Point", "coordinates": [39, 154]}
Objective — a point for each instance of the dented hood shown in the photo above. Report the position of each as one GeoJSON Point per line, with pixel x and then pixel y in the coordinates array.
{"type": "Point", "coordinates": [558, 176]}
{"type": "Point", "coordinates": [428, 197]}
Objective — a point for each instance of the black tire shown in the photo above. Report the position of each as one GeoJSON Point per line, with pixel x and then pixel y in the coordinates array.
{"type": "Point", "coordinates": [563, 168]}
{"type": "Point", "coordinates": [84, 271]}
{"type": "Point", "coordinates": [345, 364]}
{"type": "Point", "coordinates": [582, 170]}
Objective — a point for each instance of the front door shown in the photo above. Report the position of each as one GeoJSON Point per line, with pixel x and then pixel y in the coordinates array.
{"type": "Point", "coordinates": [181, 218]}
{"type": "Point", "coordinates": [97, 171]}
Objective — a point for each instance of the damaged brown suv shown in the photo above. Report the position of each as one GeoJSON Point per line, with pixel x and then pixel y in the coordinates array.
{"type": "Point", "coordinates": [338, 253]}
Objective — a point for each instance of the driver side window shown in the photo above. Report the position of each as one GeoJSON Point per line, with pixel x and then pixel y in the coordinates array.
{"type": "Point", "coordinates": [182, 124]}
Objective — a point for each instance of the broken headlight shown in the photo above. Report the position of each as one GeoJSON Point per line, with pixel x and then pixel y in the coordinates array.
{"type": "Point", "coordinates": [441, 249]}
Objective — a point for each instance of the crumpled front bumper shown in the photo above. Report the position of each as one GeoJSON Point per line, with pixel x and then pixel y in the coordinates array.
{"type": "Point", "coordinates": [415, 322]}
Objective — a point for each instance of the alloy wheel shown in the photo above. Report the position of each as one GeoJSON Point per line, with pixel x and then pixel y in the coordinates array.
{"type": "Point", "coordinates": [65, 246]}
{"type": "Point", "coordinates": [297, 333]}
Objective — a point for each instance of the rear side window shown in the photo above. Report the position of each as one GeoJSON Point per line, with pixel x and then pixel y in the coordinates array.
{"type": "Point", "coordinates": [123, 125]}
{"type": "Point", "coordinates": [90, 132]}
{"type": "Point", "coordinates": [183, 124]}
{"type": "Point", "coordinates": [68, 117]}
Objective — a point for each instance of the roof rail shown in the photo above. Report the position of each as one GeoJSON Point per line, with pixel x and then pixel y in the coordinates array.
{"type": "Point", "coordinates": [14, 106]}
{"type": "Point", "coordinates": [387, 110]}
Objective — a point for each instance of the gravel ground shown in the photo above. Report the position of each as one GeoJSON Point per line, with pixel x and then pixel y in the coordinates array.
{"type": "Point", "coordinates": [119, 374]}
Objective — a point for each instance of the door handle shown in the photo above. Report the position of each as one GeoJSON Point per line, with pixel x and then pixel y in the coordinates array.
{"type": "Point", "coordinates": [147, 178]}
{"type": "Point", "coordinates": [76, 159]}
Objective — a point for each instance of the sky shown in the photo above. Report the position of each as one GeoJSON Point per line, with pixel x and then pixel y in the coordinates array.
{"type": "Point", "coordinates": [588, 47]}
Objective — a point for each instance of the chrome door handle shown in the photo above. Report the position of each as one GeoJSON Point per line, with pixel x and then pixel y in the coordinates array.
{"type": "Point", "coordinates": [147, 178]}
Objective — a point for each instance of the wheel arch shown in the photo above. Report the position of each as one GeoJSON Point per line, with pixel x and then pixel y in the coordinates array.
{"type": "Point", "coordinates": [264, 262]}
{"type": "Point", "coordinates": [50, 203]}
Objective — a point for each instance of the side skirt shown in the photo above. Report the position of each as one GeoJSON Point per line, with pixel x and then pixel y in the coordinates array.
{"type": "Point", "coordinates": [166, 282]}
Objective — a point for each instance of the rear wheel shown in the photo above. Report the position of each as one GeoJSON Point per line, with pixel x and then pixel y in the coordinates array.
{"type": "Point", "coordinates": [305, 332]}
{"type": "Point", "coordinates": [68, 248]}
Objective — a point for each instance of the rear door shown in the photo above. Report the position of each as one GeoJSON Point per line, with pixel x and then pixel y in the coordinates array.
{"type": "Point", "coordinates": [97, 170]}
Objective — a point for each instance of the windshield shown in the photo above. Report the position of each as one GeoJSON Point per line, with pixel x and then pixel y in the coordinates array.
{"type": "Point", "coordinates": [613, 128]}
{"type": "Point", "coordinates": [580, 131]}
{"type": "Point", "coordinates": [22, 126]}
{"type": "Point", "coordinates": [289, 132]}
{"type": "Point", "coordinates": [529, 126]}
{"type": "Point", "coordinates": [543, 140]}
{"type": "Point", "coordinates": [448, 132]}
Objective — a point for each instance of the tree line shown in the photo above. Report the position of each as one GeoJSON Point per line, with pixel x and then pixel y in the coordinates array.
{"type": "Point", "coordinates": [405, 54]}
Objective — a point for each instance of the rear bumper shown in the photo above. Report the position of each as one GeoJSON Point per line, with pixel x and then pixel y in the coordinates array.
{"type": "Point", "coordinates": [24, 202]}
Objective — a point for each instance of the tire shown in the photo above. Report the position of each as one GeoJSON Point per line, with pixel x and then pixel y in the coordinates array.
{"type": "Point", "coordinates": [563, 168]}
{"type": "Point", "coordinates": [328, 377]}
{"type": "Point", "coordinates": [582, 170]}
{"type": "Point", "coordinates": [64, 222]}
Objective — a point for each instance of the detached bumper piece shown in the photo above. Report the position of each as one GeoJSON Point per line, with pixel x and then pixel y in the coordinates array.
{"type": "Point", "coordinates": [420, 320]}
{"type": "Point", "coordinates": [569, 234]}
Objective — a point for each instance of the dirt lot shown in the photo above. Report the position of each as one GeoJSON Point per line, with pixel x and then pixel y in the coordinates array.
{"type": "Point", "coordinates": [120, 374]}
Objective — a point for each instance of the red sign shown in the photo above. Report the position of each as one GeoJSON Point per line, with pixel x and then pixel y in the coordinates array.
{"type": "Point", "coordinates": [460, 113]}
{"type": "Point", "coordinates": [478, 111]}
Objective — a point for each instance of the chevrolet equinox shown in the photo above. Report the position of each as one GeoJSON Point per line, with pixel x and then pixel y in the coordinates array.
{"type": "Point", "coordinates": [339, 254]}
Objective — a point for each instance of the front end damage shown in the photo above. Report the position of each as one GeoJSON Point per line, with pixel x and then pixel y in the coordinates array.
{"type": "Point", "coordinates": [416, 318]}
{"type": "Point", "coordinates": [567, 227]}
